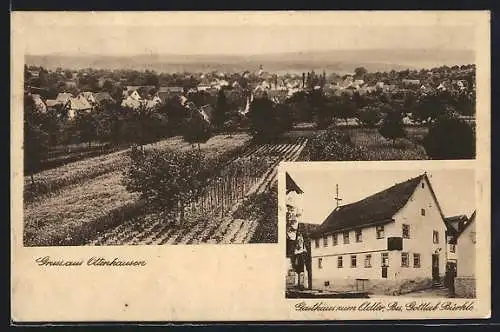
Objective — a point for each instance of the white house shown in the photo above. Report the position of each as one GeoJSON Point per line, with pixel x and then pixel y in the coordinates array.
{"type": "Point", "coordinates": [391, 242]}
{"type": "Point", "coordinates": [465, 281]}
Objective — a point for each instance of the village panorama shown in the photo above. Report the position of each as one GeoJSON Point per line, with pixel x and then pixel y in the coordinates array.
{"type": "Point", "coordinates": [125, 157]}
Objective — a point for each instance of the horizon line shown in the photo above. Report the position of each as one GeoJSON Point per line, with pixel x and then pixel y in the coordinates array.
{"type": "Point", "coordinates": [61, 53]}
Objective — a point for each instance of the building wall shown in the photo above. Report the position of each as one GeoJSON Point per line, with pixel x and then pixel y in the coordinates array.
{"type": "Point", "coordinates": [420, 242]}
{"type": "Point", "coordinates": [466, 252]}
{"type": "Point", "coordinates": [421, 234]}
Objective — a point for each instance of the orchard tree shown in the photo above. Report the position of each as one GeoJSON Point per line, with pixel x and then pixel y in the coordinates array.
{"type": "Point", "coordinates": [360, 72]}
{"type": "Point", "coordinates": [450, 138]}
{"type": "Point", "coordinates": [392, 127]}
{"type": "Point", "coordinates": [369, 115]}
{"type": "Point", "coordinates": [196, 129]}
{"type": "Point", "coordinates": [86, 126]}
{"type": "Point", "coordinates": [221, 110]}
{"type": "Point", "coordinates": [169, 180]}
{"type": "Point", "coordinates": [35, 139]}
{"type": "Point", "coordinates": [263, 121]}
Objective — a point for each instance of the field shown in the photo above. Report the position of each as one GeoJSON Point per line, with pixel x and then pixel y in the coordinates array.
{"type": "Point", "coordinates": [221, 222]}
{"type": "Point", "coordinates": [79, 194]}
{"type": "Point", "coordinates": [378, 148]}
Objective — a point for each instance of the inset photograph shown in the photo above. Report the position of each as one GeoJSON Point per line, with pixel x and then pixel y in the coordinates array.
{"type": "Point", "coordinates": [361, 233]}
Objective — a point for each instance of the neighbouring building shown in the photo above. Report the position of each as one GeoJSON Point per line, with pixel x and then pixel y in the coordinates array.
{"type": "Point", "coordinates": [410, 83]}
{"type": "Point", "coordinates": [465, 281]}
{"type": "Point", "coordinates": [391, 242]}
{"type": "Point", "coordinates": [77, 105]}
{"type": "Point", "coordinates": [296, 249]}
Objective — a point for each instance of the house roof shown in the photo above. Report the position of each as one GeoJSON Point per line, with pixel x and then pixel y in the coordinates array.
{"type": "Point", "coordinates": [455, 219]}
{"type": "Point", "coordinates": [292, 186]}
{"type": "Point", "coordinates": [470, 221]}
{"type": "Point", "coordinates": [52, 102]}
{"type": "Point", "coordinates": [170, 89]}
{"type": "Point", "coordinates": [100, 96]}
{"type": "Point", "coordinates": [64, 97]}
{"type": "Point", "coordinates": [376, 209]}
{"type": "Point", "coordinates": [80, 104]}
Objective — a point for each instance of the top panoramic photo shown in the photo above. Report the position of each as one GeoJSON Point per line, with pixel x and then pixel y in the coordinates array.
{"type": "Point", "coordinates": [169, 129]}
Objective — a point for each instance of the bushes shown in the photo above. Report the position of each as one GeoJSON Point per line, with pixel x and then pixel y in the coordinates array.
{"type": "Point", "coordinates": [450, 138]}
{"type": "Point", "coordinates": [392, 127]}
{"type": "Point", "coordinates": [168, 180]}
{"type": "Point", "coordinates": [333, 145]}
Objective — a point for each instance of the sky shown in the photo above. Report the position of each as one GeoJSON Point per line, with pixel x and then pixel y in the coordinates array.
{"type": "Point", "coordinates": [454, 188]}
{"type": "Point", "coordinates": [184, 36]}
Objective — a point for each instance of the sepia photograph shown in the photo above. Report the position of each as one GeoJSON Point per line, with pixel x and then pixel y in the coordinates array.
{"type": "Point", "coordinates": [164, 162]}
{"type": "Point", "coordinates": [401, 233]}
{"type": "Point", "coordinates": [169, 142]}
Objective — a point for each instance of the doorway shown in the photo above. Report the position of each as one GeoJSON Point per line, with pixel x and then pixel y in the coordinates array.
{"type": "Point", "coordinates": [435, 267]}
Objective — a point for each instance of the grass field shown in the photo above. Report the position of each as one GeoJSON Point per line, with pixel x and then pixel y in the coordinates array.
{"type": "Point", "coordinates": [375, 146]}
{"type": "Point", "coordinates": [378, 148]}
{"type": "Point", "coordinates": [91, 189]}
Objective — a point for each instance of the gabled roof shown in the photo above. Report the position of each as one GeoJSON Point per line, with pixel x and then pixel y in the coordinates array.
{"type": "Point", "coordinates": [64, 97]}
{"type": "Point", "coordinates": [292, 186]}
{"type": "Point", "coordinates": [80, 104]}
{"type": "Point", "coordinates": [376, 209]}
{"type": "Point", "coordinates": [100, 96]}
{"type": "Point", "coordinates": [471, 220]}
{"type": "Point", "coordinates": [452, 223]}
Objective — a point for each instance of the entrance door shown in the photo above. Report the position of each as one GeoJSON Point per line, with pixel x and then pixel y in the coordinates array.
{"type": "Point", "coordinates": [384, 271]}
{"type": "Point", "coordinates": [451, 273]}
{"type": "Point", "coordinates": [435, 267]}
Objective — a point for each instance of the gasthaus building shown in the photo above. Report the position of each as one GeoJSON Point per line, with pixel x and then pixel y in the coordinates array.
{"type": "Point", "coordinates": [392, 242]}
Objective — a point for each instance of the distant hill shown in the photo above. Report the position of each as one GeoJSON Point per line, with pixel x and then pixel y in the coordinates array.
{"type": "Point", "coordinates": [339, 61]}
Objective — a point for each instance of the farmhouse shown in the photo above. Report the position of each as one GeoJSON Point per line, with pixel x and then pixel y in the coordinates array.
{"type": "Point", "coordinates": [391, 242]}
{"type": "Point", "coordinates": [465, 281]}
{"type": "Point", "coordinates": [78, 104]}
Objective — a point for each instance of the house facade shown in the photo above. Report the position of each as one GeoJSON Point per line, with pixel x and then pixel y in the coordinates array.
{"type": "Point", "coordinates": [391, 242]}
{"type": "Point", "coordinates": [465, 281]}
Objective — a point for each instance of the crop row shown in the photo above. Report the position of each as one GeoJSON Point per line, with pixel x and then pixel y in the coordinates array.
{"type": "Point", "coordinates": [210, 218]}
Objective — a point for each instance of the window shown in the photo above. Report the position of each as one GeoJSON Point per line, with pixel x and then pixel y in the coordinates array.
{"type": "Point", "coordinates": [422, 212]}
{"type": "Point", "coordinates": [353, 261]}
{"type": "Point", "coordinates": [346, 237]}
{"type": "Point", "coordinates": [404, 259]}
{"type": "Point", "coordinates": [339, 262]}
{"type": "Point", "coordinates": [380, 232]}
{"type": "Point", "coordinates": [406, 231]}
{"type": "Point", "coordinates": [473, 237]}
{"type": "Point", "coordinates": [359, 235]}
{"type": "Point", "coordinates": [435, 237]}
{"type": "Point", "coordinates": [368, 261]}
{"type": "Point", "coordinates": [316, 243]}
{"type": "Point", "coordinates": [416, 260]}
{"type": "Point", "coordinates": [325, 241]}
{"type": "Point", "coordinates": [320, 263]}
{"type": "Point", "coordinates": [385, 259]}
{"type": "Point", "coordinates": [423, 185]}
{"type": "Point", "coordinates": [452, 248]}
{"type": "Point", "coordinates": [335, 239]}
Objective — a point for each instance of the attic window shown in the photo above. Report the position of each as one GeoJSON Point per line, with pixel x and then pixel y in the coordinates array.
{"type": "Point", "coordinates": [423, 185]}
